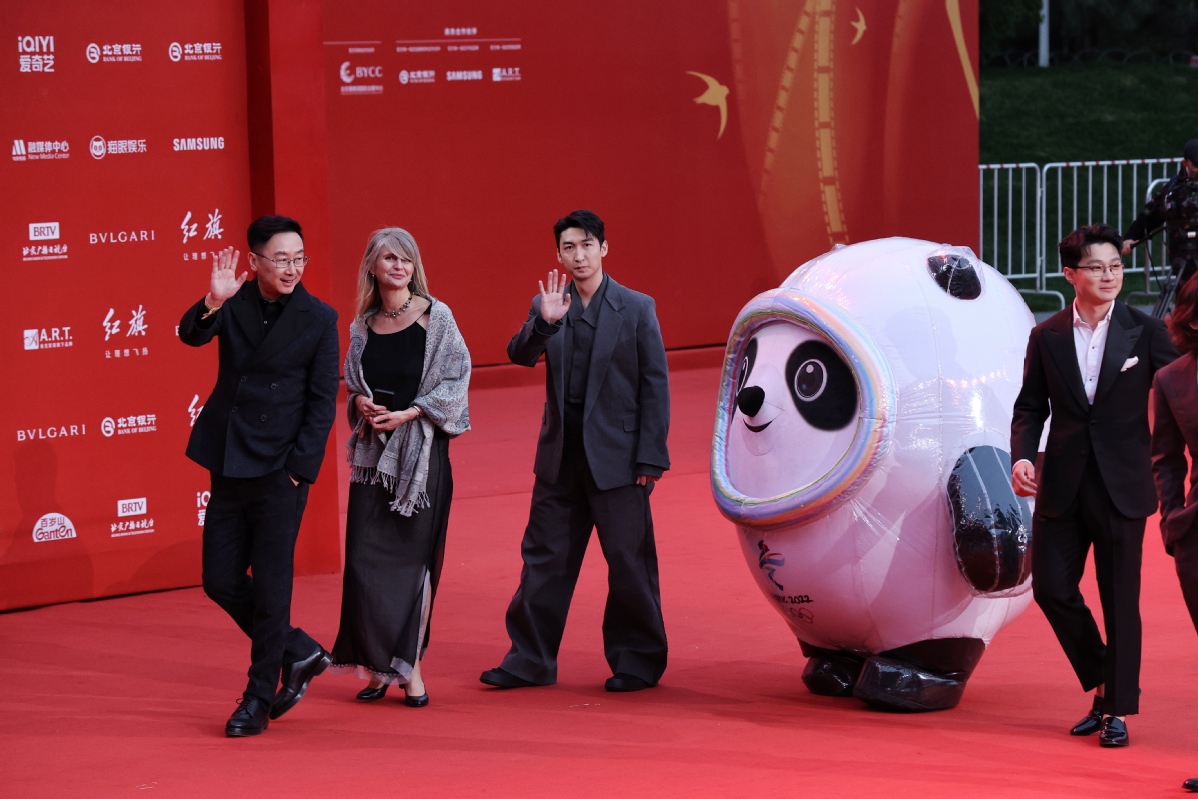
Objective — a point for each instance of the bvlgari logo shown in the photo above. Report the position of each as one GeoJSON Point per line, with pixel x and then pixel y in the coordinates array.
{"type": "Point", "coordinates": [120, 236]}
{"type": "Point", "coordinates": [58, 431]}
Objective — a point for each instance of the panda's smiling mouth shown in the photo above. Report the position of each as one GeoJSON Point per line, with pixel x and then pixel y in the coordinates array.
{"type": "Point", "coordinates": [757, 428]}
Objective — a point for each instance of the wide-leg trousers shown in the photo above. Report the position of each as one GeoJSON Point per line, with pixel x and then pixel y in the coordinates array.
{"type": "Point", "coordinates": [561, 518]}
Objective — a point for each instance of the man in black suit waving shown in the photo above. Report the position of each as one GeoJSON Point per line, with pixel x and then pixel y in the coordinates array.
{"type": "Point", "coordinates": [1092, 365]}
{"type": "Point", "coordinates": [602, 446]}
{"type": "Point", "coordinates": [262, 436]}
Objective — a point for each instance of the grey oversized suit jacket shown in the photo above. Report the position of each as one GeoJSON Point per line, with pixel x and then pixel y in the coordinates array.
{"type": "Point", "coordinates": [626, 415]}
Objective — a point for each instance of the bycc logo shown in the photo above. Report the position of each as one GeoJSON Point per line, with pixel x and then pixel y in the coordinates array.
{"type": "Point", "coordinates": [99, 147]}
{"type": "Point", "coordinates": [175, 51]}
{"type": "Point", "coordinates": [108, 427]}
{"type": "Point", "coordinates": [347, 72]}
{"type": "Point", "coordinates": [93, 53]}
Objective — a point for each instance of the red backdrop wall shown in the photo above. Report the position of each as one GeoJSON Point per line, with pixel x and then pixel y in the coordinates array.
{"type": "Point", "coordinates": [473, 124]}
{"type": "Point", "coordinates": [476, 125]}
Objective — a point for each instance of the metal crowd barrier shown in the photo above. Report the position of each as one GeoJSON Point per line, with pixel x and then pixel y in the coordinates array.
{"type": "Point", "coordinates": [1025, 209]}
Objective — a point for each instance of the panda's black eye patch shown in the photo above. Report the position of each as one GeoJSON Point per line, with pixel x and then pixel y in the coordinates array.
{"type": "Point", "coordinates": [746, 364]}
{"type": "Point", "coordinates": [822, 386]}
{"type": "Point", "coordinates": [956, 276]}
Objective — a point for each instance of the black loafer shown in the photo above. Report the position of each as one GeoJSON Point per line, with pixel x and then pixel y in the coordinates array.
{"type": "Point", "coordinates": [1191, 784]}
{"type": "Point", "coordinates": [415, 701]}
{"type": "Point", "coordinates": [296, 677]}
{"type": "Point", "coordinates": [624, 683]}
{"type": "Point", "coordinates": [372, 694]}
{"type": "Point", "coordinates": [250, 718]}
{"type": "Point", "coordinates": [498, 678]}
{"type": "Point", "coordinates": [1092, 723]}
{"type": "Point", "coordinates": [1114, 732]}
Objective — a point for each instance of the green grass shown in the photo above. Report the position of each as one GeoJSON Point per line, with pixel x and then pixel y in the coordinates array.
{"type": "Point", "coordinates": [1087, 112]}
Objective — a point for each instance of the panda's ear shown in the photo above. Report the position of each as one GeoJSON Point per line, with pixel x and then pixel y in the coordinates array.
{"type": "Point", "coordinates": [956, 274]}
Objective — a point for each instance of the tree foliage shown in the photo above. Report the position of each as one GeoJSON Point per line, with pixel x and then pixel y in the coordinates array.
{"type": "Point", "coordinates": [1159, 26]}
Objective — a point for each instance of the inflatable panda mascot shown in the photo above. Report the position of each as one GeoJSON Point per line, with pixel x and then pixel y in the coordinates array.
{"type": "Point", "coordinates": [862, 450]}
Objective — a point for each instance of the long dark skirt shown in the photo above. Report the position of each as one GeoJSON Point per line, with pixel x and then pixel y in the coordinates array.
{"type": "Point", "coordinates": [392, 567]}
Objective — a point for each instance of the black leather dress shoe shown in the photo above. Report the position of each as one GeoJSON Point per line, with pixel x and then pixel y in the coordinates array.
{"type": "Point", "coordinates": [415, 701]}
{"type": "Point", "coordinates": [250, 718]}
{"type": "Point", "coordinates": [372, 694]}
{"type": "Point", "coordinates": [623, 683]}
{"type": "Point", "coordinates": [499, 678]}
{"type": "Point", "coordinates": [1114, 732]}
{"type": "Point", "coordinates": [296, 677]}
{"type": "Point", "coordinates": [1092, 723]}
{"type": "Point", "coordinates": [1191, 784]}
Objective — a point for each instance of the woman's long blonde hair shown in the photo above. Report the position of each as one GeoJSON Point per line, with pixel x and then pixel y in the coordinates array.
{"type": "Point", "coordinates": [398, 242]}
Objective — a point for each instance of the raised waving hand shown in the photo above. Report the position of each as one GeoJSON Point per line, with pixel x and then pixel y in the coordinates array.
{"type": "Point", "coordinates": [225, 281]}
{"type": "Point", "coordinates": [555, 301]}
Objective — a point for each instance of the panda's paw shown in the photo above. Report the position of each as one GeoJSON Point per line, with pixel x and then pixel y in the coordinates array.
{"type": "Point", "coordinates": [831, 673]}
{"type": "Point", "coordinates": [889, 684]}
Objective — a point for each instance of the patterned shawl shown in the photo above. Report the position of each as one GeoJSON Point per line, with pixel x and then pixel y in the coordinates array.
{"type": "Point", "coordinates": [400, 458]}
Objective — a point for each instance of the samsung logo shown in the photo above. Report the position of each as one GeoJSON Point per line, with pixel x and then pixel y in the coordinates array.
{"type": "Point", "coordinates": [201, 143]}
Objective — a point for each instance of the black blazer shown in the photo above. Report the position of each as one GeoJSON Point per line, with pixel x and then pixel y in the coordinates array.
{"type": "Point", "coordinates": [1114, 428]}
{"type": "Point", "coordinates": [275, 396]}
{"type": "Point", "coordinates": [1174, 428]}
{"type": "Point", "coordinates": [626, 413]}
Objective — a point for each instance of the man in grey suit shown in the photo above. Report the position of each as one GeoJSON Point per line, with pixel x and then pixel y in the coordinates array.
{"type": "Point", "coordinates": [602, 446]}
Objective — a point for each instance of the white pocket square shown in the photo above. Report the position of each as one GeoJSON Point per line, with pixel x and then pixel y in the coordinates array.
{"type": "Point", "coordinates": [1129, 363]}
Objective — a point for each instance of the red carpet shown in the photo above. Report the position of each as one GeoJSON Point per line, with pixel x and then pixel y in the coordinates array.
{"type": "Point", "coordinates": [128, 696]}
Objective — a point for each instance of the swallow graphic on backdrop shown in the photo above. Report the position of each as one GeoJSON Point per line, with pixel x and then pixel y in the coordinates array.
{"type": "Point", "coordinates": [716, 94]}
{"type": "Point", "coordinates": [859, 26]}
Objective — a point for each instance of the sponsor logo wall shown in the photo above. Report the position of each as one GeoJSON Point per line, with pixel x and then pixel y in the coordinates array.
{"type": "Point", "coordinates": [747, 131]}
{"type": "Point", "coordinates": [128, 164]}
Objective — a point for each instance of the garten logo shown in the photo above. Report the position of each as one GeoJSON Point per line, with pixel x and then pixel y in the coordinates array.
{"type": "Point", "coordinates": [53, 527]}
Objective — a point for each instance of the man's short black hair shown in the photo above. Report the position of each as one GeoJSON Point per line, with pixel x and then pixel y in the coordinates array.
{"type": "Point", "coordinates": [1190, 151]}
{"type": "Point", "coordinates": [264, 228]}
{"type": "Point", "coordinates": [1074, 247]}
{"type": "Point", "coordinates": [582, 218]}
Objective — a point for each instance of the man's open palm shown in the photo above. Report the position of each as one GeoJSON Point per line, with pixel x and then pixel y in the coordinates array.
{"type": "Point", "coordinates": [225, 281]}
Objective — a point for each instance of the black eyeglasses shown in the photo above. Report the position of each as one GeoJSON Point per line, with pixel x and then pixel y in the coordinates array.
{"type": "Point", "coordinates": [1115, 269]}
{"type": "Point", "coordinates": [299, 262]}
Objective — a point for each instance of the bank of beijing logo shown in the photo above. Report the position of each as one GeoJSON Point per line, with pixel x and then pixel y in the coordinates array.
{"type": "Point", "coordinates": [53, 527]}
{"type": "Point", "coordinates": [175, 51]}
{"type": "Point", "coordinates": [128, 425]}
{"type": "Point", "coordinates": [407, 76]}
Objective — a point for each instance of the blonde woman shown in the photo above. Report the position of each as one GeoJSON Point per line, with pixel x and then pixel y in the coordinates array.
{"type": "Point", "coordinates": [407, 373]}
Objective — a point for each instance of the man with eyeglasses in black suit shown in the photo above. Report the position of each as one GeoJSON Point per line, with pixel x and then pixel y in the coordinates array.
{"type": "Point", "coordinates": [1092, 365]}
{"type": "Point", "coordinates": [262, 437]}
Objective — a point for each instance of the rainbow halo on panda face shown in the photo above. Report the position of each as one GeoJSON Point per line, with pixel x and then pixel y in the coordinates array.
{"type": "Point", "coordinates": [806, 371]}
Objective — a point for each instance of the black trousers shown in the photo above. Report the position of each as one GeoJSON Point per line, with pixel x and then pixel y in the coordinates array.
{"type": "Point", "coordinates": [560, 521]}
{"type": "Point", "coordinates": [252, 524]}
{"type": "Point", "coordinates": [1058, 561]}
